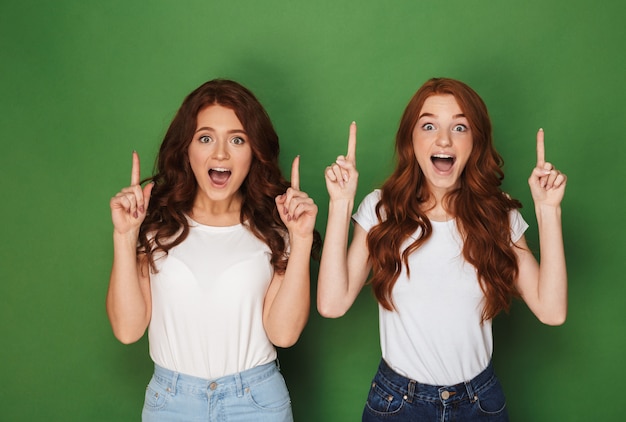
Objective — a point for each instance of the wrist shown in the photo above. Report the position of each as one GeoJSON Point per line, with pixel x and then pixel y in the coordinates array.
{"type": "Point", "coordinates": [343, 205]}
{"type": "Point", "coordinates": [130, 237]}
{"type": "Point", "coordinates": [544, 211]}
{"type": "Point", "coordinates": [301, 239]}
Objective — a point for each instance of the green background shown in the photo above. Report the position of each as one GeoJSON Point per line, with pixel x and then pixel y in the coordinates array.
{"type": "Point", "coordinates": [84, 83]}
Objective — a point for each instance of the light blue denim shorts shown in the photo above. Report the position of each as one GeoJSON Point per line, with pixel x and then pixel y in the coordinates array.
{"type": "Point", "coordinates": [259, 394]}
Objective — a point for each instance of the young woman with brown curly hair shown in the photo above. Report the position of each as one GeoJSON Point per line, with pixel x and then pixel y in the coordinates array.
{"type": "Point", "coordinates": [446, 249]}
{"type": "Point", "coordinates": [212, 256]}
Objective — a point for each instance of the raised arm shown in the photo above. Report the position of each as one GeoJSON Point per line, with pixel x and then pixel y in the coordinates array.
{"type": "Point", "coordinates": [288, 299]}
{"type": "Point", "coordinates": [342, 272]}
{"type": "Point", "coordinates": [543, 286]}
{"type": "Point", "coordinates": [128, 300]}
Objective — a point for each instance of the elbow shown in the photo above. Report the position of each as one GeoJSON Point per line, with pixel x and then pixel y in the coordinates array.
{"type": "Point", "coordinates": [554, 320]}
{"type": "Point", "coordinates": [125, 337]}
{"type": "Point", "coordinates": [127, 341]}
{"type": "Point", "coordinates": [285, 341]}
{"type": "Point", "coordinates": [328, 311]}
{"type": "Point", "coordinates": [127, 330]}
{"type": "Point", "coordinates": [127, 333]}
{"type": "Point", "coordinates": [285, 336]}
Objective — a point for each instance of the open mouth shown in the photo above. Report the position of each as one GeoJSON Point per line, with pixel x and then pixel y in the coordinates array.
{"type": "Point", "coordinates": [219, 176]}
{"type": "Point", "coordinates": [443, 162]}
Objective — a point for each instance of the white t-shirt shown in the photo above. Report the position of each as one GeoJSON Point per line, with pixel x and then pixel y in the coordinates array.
{"type": "Point", "coordinates": [207, 303]}
{"type": "Point", "coordinates": [435, 336]}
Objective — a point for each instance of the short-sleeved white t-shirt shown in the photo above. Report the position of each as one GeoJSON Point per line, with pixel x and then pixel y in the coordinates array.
{"type": "Point", "coordinates": [207, 303]}
{"type": "Point", "coordinates": [435, 335]}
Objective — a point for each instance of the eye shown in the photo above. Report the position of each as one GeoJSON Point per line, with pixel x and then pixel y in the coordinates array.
{"type": "Point", "coordinates": [459, 128]}
{"type": "Point", "coordinates": [428, 126]}
{"type": "Point", "coordinates": [238, 140]}
{"type": "Point", "coordinates": [205, 139]}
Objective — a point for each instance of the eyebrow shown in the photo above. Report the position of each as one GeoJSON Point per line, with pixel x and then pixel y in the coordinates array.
{"type": "Point", "coordinates": [456, 116]}
{"type": "Point", "coordinates": [213, 130]}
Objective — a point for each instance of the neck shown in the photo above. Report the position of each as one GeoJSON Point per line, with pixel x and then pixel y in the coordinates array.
{"type": "Point", "coordinates": [436, 209]}
{"type": "Point", "coordinates": [217, 213]}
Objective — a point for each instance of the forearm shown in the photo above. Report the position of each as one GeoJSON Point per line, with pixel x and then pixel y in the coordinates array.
{"type": "Point", "coordinates": [291, 303]}
{"type": "Point", "coordinates": [552, 287]}
{"type": "Point", "coordinates": [333, 278]}
{"type": "Point", "coordinates": [127, 307]}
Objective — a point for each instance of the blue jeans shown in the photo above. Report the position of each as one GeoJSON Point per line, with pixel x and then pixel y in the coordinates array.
{"type": "Point", "coordinates": [258, 394]}
{"type": "Point", "coordinates": [394, 397]}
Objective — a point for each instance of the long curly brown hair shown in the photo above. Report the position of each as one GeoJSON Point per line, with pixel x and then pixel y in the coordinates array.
{"type": "Point", "coordinates": [480, 207]}
{"type": "Point", "coordinates": [175, 186]}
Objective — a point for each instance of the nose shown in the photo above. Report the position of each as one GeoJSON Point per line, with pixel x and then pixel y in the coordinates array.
{"type": "Point", "coordinates": [443, 139]}
{"type": "Point", "coordinates": [221, 150]}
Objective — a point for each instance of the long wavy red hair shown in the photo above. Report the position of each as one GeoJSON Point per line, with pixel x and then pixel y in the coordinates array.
{"type": "Point", "coordinates": [175, 186]}
{"type": "Point", "coordinates": [480, 207]}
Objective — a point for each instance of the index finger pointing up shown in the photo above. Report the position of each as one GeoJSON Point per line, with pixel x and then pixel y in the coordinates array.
{"type": "Point", "coordinates": [135, 175]}
{"type": "Point", "coordinates": [541, 149]}
{"type": "Point", "coordinates": [295, 173]}
{"type": "Point", "coordinates": [351, 155]}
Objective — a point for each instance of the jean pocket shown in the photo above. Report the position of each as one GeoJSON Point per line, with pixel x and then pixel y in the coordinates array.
{"type": "Point", "coordinates": [271, 394]}
{"type": "Point", "coordinates": [156, 397]}
{"type": "Point", "coordinates": [491, 400]}
{"type": "Point", "coordinates": [383, 400]}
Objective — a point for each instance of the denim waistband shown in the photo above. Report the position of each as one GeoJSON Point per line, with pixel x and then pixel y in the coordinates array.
{"type": "Point", "coordinates": [175, 381]}
{"type": "Point", "coordinates": [444, 393]}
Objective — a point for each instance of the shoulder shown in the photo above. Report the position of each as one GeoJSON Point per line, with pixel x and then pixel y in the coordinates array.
{"type": "Point", "coordinates": [372, 198]}
{"type": "Point", "coordinates": [370, 201]}
{"type": "Point", "coordinates": [517, 223]}
{"type": "Point", "coordinates": [366, 213]}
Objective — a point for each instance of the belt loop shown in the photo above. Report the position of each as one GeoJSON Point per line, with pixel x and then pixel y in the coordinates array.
{"type": "Point", "coordinates": [470, 392]}
{"type": "Point", "coordinates": [411, 391]}
{"type": "Point", "coordinates": [173, 382]}
{"type": "Point", "coordinates": [239, 384]}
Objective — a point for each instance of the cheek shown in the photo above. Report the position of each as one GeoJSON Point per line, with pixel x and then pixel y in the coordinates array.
{"type": "Point", "coordinates": [245, 160]}
{"type": "Point", "coordinates": [196, 163]}
{"type": "Point", "coordinates": [465, 160]}
{"type": "Point", "coordinates": [468, 151]}
{"type": "Point", "coordinates": [193, 162]}
{"type": "Point", "coordinates": [421, 152]}
{"type": "Point", "coordinates": [247, 166]}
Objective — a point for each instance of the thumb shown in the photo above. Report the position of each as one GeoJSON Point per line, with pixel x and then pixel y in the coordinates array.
{"type": "Point", "coordinates": [147, 193]}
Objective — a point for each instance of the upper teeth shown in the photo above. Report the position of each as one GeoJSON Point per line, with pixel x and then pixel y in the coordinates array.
{"type": "Point", "coordinates": [220, 169]}
{"type": "Point", "coordinates": [442, 156]}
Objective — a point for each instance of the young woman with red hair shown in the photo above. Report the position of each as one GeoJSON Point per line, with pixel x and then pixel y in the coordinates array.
{"type": "Point", "coordinates": [212, 257]}
{"type": "Point", "coordinates": [446, 250]}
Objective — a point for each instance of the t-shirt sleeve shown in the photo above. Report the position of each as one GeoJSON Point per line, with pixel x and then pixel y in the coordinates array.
{"type": "Point", "coordinates": [365, 215]}
{"type": "Point", "coordinates": [518, 225]}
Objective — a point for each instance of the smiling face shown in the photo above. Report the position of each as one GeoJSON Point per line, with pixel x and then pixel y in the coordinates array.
{"type": "Point", "coordinates": [442, 142]}
{"type": "Point", "coordinates": [220, 156]}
